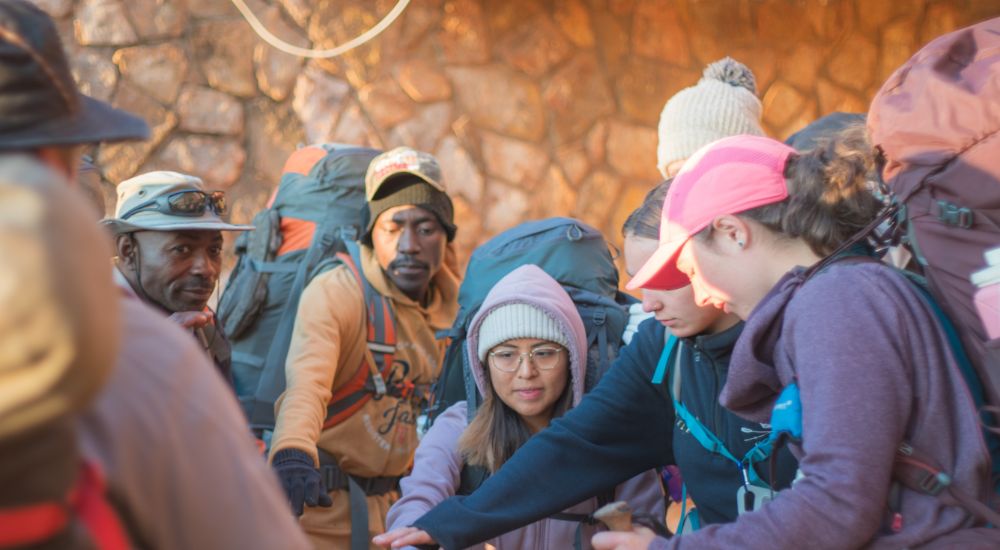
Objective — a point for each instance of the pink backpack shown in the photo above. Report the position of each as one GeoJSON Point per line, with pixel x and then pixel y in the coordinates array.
{"type": "Point", "coordinates": [936, 122]}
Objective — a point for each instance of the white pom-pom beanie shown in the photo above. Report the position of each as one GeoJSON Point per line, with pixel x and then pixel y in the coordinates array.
{"type": "Point", "coordinates": [723, 103]}
{"type": "Point", "coordinates": [518, 320]}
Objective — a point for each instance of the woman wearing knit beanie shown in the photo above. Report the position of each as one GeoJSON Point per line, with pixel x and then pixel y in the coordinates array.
{"type": "Point", "coordinates": [723, 103]}
{"type": "Point", "coordinates": [526, 350]}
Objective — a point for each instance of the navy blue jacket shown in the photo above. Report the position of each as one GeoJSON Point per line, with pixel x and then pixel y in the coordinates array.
{"type": "Point", "coordinates": [624, 426]}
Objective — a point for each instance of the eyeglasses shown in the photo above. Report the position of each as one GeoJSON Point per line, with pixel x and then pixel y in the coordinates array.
{"type": "Point", "coordinates": [191, 202]}
{"type": "Point", "coordinates": [507, 360]}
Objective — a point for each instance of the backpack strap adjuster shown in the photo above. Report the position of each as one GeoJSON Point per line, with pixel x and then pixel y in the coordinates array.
{"type": "Point", "coordinates": [918, 473]}
{"type": "Point", "coordinates": [953, 214]}
{"type": "Point", "coordinates": [599, 317]}
{"type": "Point", "coordinates": [406, 388]}
{"type": "Point", "coordinates": [349, 233]}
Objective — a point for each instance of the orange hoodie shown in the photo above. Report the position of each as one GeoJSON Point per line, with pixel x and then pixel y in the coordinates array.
{"type": "Point", "coordinates": [327, 346]}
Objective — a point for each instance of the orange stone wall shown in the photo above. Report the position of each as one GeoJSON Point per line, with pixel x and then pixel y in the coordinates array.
{"type": "Point", "coordinates": [534, 107]}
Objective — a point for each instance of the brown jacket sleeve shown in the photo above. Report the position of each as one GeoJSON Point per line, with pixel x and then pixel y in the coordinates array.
{"type": "Point", "coordinates": [327, 335]}
{"type": "Point", "coordinates": [168, 432]}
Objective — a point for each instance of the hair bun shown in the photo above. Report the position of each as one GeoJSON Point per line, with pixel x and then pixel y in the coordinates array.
{"type": "Point", "coordinates": [731, 72]}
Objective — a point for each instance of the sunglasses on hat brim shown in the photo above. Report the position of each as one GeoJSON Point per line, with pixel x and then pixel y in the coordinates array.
{"type": "Point", "coordinates": [191, 202]}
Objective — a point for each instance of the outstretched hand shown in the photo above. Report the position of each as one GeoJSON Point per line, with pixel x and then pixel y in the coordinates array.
{"type": "Point", "coordinates": [402, 537]}
{"type": "Point", "coordinates": [191, 319]}
{"type": "Point", "coordinates": [638, 539]}
{"type": "Point", "coordinates": [301, 480]}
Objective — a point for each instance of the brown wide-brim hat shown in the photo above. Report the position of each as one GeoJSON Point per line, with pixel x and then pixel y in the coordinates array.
{"type": "Point", "coordinates": [40, 104]}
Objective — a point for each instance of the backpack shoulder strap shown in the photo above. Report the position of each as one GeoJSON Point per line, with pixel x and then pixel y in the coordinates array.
{"type": "Point", "coordinates": [36, 523]}
{"type": "Point", "coordinates": [470, 478]}
{"type": "Point", "coordinates": [708, 439]}
{"type": "Point", "coordinates": [669, 348]}
{"type": "Point", "coordinates": [369, 377]}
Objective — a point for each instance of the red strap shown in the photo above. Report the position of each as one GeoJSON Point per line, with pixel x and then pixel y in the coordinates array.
{"type": "Point", "coordinates": [100, 519]}
{"type": "Point", "coordinates": [26, 525]}
{"type": "Point", "coordinates": [35, 523]}
{"type": "Point", "coordinates": [355, 386]}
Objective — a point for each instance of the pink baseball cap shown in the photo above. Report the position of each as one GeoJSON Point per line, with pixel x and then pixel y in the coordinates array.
{"type": "Point", "coordinates": [727, 176]}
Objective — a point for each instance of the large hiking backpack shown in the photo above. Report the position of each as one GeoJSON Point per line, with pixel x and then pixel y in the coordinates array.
{"type": "Point", "coordinates": [912, 468]}
{"type": "Point", "coordinates": [574, 254]}
{"type": "Point", "coordinates": [936, 121]}
{"type": "Point", "coordinates": [318, 206]}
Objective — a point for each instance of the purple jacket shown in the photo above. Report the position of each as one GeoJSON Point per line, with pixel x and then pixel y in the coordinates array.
{"type": "Point", "coordinates": [874, 369]}
{"type": "Point", "coordinates": [437, 464]}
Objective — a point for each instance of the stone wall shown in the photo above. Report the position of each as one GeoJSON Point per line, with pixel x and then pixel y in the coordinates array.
{"type": "Point", "coordinates": [534, 108]}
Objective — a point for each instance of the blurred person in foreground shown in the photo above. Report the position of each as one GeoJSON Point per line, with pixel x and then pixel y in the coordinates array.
{"type": "Point", "coordinates": [163, 438]}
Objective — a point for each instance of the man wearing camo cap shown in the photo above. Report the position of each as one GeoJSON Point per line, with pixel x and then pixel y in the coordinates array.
{"type": "Point", "coordinates": [342, 475]}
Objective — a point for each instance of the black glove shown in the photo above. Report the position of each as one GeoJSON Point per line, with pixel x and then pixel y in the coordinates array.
{"type": "Point", "coordinates": [300, 479]}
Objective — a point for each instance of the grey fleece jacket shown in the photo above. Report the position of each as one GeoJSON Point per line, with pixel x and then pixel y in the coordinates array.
{"type": "Point", "coordinates": [874, 369]}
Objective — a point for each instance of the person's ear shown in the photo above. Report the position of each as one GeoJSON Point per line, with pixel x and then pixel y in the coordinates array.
{"type": "Point", "coordinates": [731, 232]}
{"type": "Point", "coordinates": [126, 249]}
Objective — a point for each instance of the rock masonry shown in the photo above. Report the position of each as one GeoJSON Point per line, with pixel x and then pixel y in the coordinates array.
{"type": "Point", "coordinates": [534, 108]}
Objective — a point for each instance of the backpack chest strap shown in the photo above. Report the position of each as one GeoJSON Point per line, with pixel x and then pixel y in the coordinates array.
{"type": "Point", "coordinates": [706, 437]}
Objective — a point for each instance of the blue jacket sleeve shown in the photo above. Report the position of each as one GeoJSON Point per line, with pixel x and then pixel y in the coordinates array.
{"type": "Point", "coordinates": [620, 429]}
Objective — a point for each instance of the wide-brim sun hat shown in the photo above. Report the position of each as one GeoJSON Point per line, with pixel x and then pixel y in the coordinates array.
{"type": "Point", "coordinates": [147, 188]}
{"type": "Point", "coordinates": [40, 104]}
{"type": "Point", "coordinates": [729, 176]}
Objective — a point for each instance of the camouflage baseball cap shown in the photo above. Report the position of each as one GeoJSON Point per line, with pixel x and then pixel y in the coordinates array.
{"type": "Point", "coordinates": [401, 160]}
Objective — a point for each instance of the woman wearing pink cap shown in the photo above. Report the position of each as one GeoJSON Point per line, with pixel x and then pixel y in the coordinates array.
{"type": "Point", "coordinates": [853, 348]}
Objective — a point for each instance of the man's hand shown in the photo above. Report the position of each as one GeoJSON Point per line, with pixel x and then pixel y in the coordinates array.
{"type": "Point", "coordinates": [191, 319]}
{"type": "Point", "coordinates": [638, 539]}
{"type": "Point", "coordinates": [404, 536]}
{"type": "Point", "coordinates": [300, 479]}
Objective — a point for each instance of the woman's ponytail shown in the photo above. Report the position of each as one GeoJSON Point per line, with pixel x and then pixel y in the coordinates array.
{"type": "Point", "coordinates": [830, 195]}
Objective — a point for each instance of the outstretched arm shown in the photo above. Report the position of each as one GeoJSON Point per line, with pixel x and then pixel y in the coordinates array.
{"type": "Point", "coordinates": [620, 429]}
{"type": "Point", "coordinates": [437, 468]}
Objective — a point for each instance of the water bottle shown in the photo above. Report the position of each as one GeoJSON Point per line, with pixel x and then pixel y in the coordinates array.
{"type": "Point", "coordinates": [987, 298]}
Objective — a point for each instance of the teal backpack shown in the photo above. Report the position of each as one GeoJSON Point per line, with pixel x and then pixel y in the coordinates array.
{"type": "Point", "coordinates": [574, 254]}
{"type": "Point", "coordinates": [319, 206]}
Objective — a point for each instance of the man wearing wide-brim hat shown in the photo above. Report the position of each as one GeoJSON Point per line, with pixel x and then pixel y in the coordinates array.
{"type": "Point", "coordinates": [168, 238]}
{"type": "Point", "coordinates": [103, 400]}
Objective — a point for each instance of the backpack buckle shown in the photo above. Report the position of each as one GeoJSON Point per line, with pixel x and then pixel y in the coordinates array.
{"type": "Point", "coordinates": [349, 233]}
{"type": "Point", "coordinates": [405, 388]}
{"type": "Point", "coordinates": [599, 317]}
{"type": "Point", "coordinates": [953, 214]}
{"type": "Point", "coordinates": [933, 484]}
